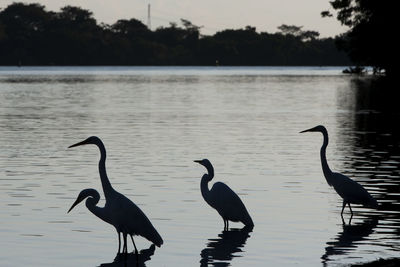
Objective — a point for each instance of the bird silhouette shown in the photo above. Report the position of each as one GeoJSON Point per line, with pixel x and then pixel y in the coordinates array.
{"type": "Point", "coordinates": [119, 211]}
{"type": "Point", "coordinates": [223, 199]}
{"type": "Point", "coordinates": [350, 191]}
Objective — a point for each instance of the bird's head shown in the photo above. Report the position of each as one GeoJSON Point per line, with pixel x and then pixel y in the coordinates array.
{"type": "Point", "coordinates": [90, 140]}
{"type": "Point", "coordinates": [206, 163]}
{"type": "Point", "coordinates": [84, 194]}
{"type": "Point", "coordinates": [319, 128]}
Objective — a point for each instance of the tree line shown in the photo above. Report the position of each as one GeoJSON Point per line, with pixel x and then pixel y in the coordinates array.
{"type": "Point", "coordinates": [31, 35]}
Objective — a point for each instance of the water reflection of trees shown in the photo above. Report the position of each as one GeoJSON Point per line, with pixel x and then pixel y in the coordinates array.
{"type": "Point", "coordinates": [373, 160]}
{"type": "Point", "coordinates": [220, 251]}
{"type": "Point", "coordinates": [131, 259]}
{"type": "Point", "coordinates": [376, 150]}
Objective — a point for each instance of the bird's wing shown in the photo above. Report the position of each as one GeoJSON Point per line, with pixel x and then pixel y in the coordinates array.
{"type": "Point", "coordinates": [350, 190]}
{"type": "Point", "coordinates": [135, 221]}
{"type": "Point", "coordinates": [227, 203]}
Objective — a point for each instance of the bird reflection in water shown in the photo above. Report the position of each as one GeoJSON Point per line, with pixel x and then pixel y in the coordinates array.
{"type": "Point", "coordinates": [131, 259]}
{"type": "Point", "coordinates": [348, 240]}
{"type": "Point", "coordinates": [220, 251]}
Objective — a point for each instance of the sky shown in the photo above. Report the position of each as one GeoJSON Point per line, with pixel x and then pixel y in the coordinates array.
{"type": "Point", "coordinates": [213, 15]}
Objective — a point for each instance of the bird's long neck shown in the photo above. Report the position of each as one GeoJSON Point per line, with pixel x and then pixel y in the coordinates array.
{"type": "Point", "coordinates": [91, 203]}
{"type": "Point", "coordinates": [204, 183]}
{"type": "Point", "coordinates": [325, 167]}
{"type": "Point", "coordinates": [204, 187]}
{"type": "Point", "coordinates": [105, 182]}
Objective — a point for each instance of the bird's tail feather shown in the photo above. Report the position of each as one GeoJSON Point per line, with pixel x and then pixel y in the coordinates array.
{"type": "Point", "coordinates": [373, 203]}
{"type": "Point", "coordinates": [247, 220]}
{"type": "Point", "coordinates": [154, 236]}
{"type": "Point", "coordinates": [158, 241]}
{"type": "Point", "coordinates": [370, 202]}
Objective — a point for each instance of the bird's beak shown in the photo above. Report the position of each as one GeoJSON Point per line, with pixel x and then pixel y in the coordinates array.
{"type": "Point", "coordinates": [308, 130]}
{"type": "Point", "coordinates": [77, 201]}
{"type": "Point", "coordinates": [197, 161]}
{"type": "Point", "coordinates": [79, 144]}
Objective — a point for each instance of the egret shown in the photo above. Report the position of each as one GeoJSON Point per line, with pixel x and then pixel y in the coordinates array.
{"type": "Point", "coordinates": [350, 191]}
{"type": "Point", "coordinates": [119, 211]}
{"type": "Point", "coordinates": [223, 199]}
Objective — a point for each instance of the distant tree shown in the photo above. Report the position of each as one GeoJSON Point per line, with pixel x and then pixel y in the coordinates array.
{"type": "Point", "coordinates": [297, 31]}
{"type": "Point", "coordinates": [371, 40]}
{"type": "Point", "coordinates": [131, 42]}
{"type": "Point", "coordinates": [77, 15]}
{"type": "Point", "coordinates": [192, 34]}
{"type": "Point", "coordinates": [326, 14]}
{"type": "Point", "coordinates": [309, 35]}
{"type": "Point", "coordinates": [172, 35]}
{"type": "Point", "coordinates": [129, 27]}
{"type": "Point", "coordinates": [172, 25]}
{"type": "Point", "coordinates": [189, 26]}
{"type": "Point", "coordinates": [290, 29]}
{"type": "Point", "coordinates": [25, 26]}
{"type": "Point", "coordinates": [76, 33]}
{"type": "Point", "coordinates": [250, 28]}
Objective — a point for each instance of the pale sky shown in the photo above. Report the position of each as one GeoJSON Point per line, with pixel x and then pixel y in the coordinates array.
{"type": "Point", "coordinates": [213, 15]}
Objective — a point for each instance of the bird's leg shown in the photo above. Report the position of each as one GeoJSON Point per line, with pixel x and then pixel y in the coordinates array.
{"type": "Point", "coordinates": [119, 242]}
{"type": "Point", "coordinates": [136, 251]}
{"type": "Point", "coordinates": [227, 225]}
{"type": "Point", "coordinates": [344, 205]}
{"type": "Point", "coordinates": [350, 209]}
{"type": "Point", "coordinates": [125, 249]}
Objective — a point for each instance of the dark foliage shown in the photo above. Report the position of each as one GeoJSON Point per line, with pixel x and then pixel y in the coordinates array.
{"type": "Point", "coordinates": [371, 40]}
{"type": "Point", "coordinates": [30, 35]}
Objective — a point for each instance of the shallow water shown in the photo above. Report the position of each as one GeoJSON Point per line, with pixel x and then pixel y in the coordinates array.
{"type": "Point", "coordinates": [154, 123]}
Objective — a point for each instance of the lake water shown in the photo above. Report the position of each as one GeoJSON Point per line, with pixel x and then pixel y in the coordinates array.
{"type": "Point", "coordinates": [154, 122]}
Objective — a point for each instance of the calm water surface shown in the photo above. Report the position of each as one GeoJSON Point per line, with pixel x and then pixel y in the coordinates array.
{"type": "Point", "coordinates": [154, 123]}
